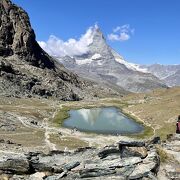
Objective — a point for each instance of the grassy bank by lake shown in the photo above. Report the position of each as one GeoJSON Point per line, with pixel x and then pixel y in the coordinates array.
{"type": "Point", "coordinates": [157, 110]}
{"type": "Point", "coordinates": [63, 114]}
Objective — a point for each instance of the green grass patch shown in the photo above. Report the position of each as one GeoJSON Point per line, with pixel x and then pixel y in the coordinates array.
{"type": "Point", "coordinates": [148, 131]}
{"type": "Point", "coordinates": [69, 142]}
{"type": "Point", "coordinates": [60, 116]}
{"type": "Point", "coordinates": [164, 157]}
{"type": "Point", "coordinates": [168, 128]}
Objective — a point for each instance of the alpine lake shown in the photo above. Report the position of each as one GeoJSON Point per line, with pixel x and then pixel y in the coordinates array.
{"type": "Point", "coordinates": [103, 120]}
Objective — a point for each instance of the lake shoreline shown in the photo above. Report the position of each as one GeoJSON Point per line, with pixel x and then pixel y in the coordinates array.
{"type": "Point", "coordinates": [62, 114]}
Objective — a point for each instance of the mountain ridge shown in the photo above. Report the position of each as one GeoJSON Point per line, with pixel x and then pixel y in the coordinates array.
{"type": "Point", "coordinates": [170, 74]}
{"type": "Point", "coordinates": [100, 62]}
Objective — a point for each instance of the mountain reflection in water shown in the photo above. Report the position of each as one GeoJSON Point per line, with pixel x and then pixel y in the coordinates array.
{"type": "Point", "coordinates": [107, 120]}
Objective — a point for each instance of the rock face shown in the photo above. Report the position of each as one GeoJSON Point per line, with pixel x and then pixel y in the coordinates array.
{"type": "Point", "coordinates": [25, 69]}
{"type": "Point", "coordinates": [83, 163]}
{"type": "Point", "coordinates": [103, 64]}
{"type": "Point", "coordinates": [14, 163]}
{"type": "Point", "coordinates": [18, 38]}
{"type": "Point", "coordinates": [172, 147]}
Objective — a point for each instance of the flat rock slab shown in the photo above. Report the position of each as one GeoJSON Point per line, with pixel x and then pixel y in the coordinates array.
{"type": "Point", "coordinates": [114, 163]}
{"type": "Point", "coordinates": [131, 143]}
{"type": "Point", "coordinates": [95, 172]}
{"type": "Point", "coordinates": [135, 152]}
{"type": "Point", "coordinates": [14, 163]}
{"type": "Point", "coordinates": [108, 151]}
{"type": "Point", "coordinates": [142, 170]}
{"type": "Point", "coordinates": [84, 163]}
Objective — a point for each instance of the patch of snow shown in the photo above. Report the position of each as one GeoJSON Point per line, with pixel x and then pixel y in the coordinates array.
{"type": "Point", "coordinates": [96, 56]}
{"type": "Point", "coordinates": [132, 66]}
{"type": "Point", "coordinates": [100, 62]}
{"type": "Point", "coordinates": [166, 75]}
{"type": "Point", "coordinates": [84, 61]}
{"type": "Point", "coordinates": [89, 60]}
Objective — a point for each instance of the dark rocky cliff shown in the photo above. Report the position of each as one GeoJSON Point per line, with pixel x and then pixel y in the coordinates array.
{"type": "Point", "coordinates": [26, 69]}
{"type": "Point", "coordinates": [18, 38]}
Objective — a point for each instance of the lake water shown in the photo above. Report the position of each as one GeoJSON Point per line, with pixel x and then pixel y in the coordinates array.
{"type": "Point", "coordinates": [108, 120]}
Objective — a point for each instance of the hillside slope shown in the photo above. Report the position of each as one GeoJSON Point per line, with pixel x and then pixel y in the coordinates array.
{"type": "Point", "coordinates": [27, 70]}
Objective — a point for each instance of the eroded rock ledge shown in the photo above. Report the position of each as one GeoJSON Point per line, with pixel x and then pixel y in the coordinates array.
{"type": "Point", "coordinates": [141, 161]}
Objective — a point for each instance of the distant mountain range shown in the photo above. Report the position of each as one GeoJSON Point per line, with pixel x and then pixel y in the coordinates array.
{"type": "Point", "coordinates": [170, 74]}
{"type": "Point", "coordinates": [103, 64]}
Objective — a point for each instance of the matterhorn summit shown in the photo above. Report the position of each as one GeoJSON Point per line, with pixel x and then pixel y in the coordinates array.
{"type": "Point", "coordinates": [103, 64]}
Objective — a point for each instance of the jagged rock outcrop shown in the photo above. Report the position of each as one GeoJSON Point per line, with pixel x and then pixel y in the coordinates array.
{"type": "Point", "coordinates": [14, 163]}
{"type": "Point", "coordinates": [18, 38]}
{"type": "Point", "coordinates": [26, 69]}
{"type": "Point", "coordinates": [171, 147]}
{"type": "Point", "coordinates": [82, 163]}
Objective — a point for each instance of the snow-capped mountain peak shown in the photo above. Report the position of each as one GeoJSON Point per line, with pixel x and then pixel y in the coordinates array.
{"type": "Point", "coordinates": [103, 64]}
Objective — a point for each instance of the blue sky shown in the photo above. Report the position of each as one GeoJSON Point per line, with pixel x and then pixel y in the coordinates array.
{"type": "Point", "coordinates": [156, 24]}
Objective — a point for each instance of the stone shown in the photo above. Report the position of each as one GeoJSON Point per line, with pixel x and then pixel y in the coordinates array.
{"type": "Point", "coordinates": [131, 143]}
{"type": "Point", "coordinates": [125, 171]}
{"type": "Point", "coordinates": [37, 176]}
{"type": "Point", "coordinates": [142, 170]}
{"type": "Point", "coordinates": [96, 172]}
{"type": "Point", "coordinates": [113, 163]}
{"type": "Point", "coordinates": [108, 150]}
{"type": "Point", "coordinates": [124, 162]}
{"type": "Point", "coordinates": [173, 174]}
{"type": "Point", "coordinates": [2, 141]}
{"type": "Point", "coordinates": [14, 163]}
{"type": "Point", "coordinates": [150, 164]}
{"type": "Point", "coordinates": [56, 176]}
{"type": "Point", "coordinates": [155, 140]}
{"type": "Point", "coordinates": [19, 177]}
{"type": "Point", "coordinates": [82, 149]}
{"type": "Point", "coordinates": [135, 152]}
{"type": "Point", "coordinates": [70, 166]}
{"type": "Point", "coordinates": [4, 177]}
{"type": "Point", "coordinates": [169, 137]}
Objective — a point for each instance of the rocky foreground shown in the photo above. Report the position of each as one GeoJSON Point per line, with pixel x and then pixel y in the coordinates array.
{"type": "Point", "coordinates": [126, 160]}
{"type": "Point", "coordinates": [31, 148]}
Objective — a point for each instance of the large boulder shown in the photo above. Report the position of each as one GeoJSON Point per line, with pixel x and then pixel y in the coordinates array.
{"type": "Point", "coordinates": [131, 143]}
{"type": "Point", "coordinates": [108, 150]}
{"type": "Point", "coordinates": [14, 163]}
{"type": "Point", "coordinates": [135, 152]}
{"type": "Point", "coordinates": [150, 166]}
{"type": "Point", "coordinates": [96, 172]}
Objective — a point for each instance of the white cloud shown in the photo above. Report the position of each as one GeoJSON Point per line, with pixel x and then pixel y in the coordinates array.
{"type": "Point", "coordinates": [119, 37]}
{"type": "Point", "coordinates": [57, 47]}
{"type": "Point", "coordinates": [123, 28]}
{"type": "Point", "coordinates": [121, 33]}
